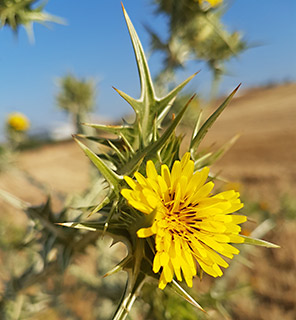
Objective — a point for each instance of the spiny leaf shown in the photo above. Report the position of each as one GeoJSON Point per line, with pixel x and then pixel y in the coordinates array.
{"type": "Point", "coordinates": [111, 213]}
{"type": "Point", "coordinates": [145, 78]}
{"type": "Point", "coordinates": [219, 153]}
{"type": "Point", "coordinates": [135, 104]}
{"type": "Point", "coordinates": [132, 290]}
{"type": "Point", "coordinates": [113, 179]}
{"type": "Point", "coordinates": [197, 126]}
{"type": "Point", "coordinates": [120, 266]}
{"type": "Point", "coordinates": [120, 155]}
{"type": "Point", "coordinates": [157, 145]}
{"type": "Point", "coordinates": [200, 160]}
{"type": "Point", "coordinates": [181, 292]}
{"type": "Point", "coordinates": [163, 105]}
{"type": "Point", "coordinates": [14, 201]}
{"type": "Point", "coordinates": [117, 130]}
{"type": "Point", "coordinates": [259, 242]}
{"type": "Point", "coordinates": [148, 107]}
{"type": "Point", "coordinates": [84, 226]}
{"type": "Point", "coordinates": [104, 202]}
{"type": "Point", "coordinates": [124, 138]}
{"type": "Point", "coordinates": [143, 106]}
{"type": "Point", "coordinates": [115, 230]}
{"type": "Point", "coordinates": [205, 127]}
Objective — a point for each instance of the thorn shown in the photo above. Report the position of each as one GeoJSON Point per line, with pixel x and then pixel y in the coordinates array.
{"type": "Point", "coordinates": [173, 116]}
{"type": "Point", "coordinates": [122, 6]}
{"type": "Point", "coordinates": [80, 135]}
{"type": "Point", "coordinates": [105, 229]}
{"type": "Point", "coordinates": [90, 214]}
{"type": "Point", "coordinates": [189, 101]}
{"type": "Point", "coordinates": [235, 90]}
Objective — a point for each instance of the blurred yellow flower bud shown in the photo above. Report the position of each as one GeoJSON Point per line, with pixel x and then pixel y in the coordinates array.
{"type": "Point", "coordinates": [18, 121]}
{"type": "Point", "coordinates": [212, 3]}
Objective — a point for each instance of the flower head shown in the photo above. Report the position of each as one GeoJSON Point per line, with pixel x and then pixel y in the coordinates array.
{"type": "Point", "coordinates": [18, 121]}
{"type": "Point", "coordinates": [190, 224]}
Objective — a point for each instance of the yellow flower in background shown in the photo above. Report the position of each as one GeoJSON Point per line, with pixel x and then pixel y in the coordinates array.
{"type": "Point", "coordinates": [190, 224]}
{"type": "Point", "coordinates": [212, 3]}
{"type": "Point", "coordinates": [18, 121]}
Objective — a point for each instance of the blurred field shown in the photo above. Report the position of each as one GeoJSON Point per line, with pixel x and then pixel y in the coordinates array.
{"type": "Point", "coordinates": [262, 162]}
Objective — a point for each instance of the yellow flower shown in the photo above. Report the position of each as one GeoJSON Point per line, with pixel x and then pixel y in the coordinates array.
{"type": "Point", "coordinates": [190, 224]}
{"type": "Point", "coordinates": [213, 3]}
{"type": "Point", "coordinates": [18, 121]}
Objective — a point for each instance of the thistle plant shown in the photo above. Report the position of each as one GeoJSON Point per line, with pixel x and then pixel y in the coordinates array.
{"type": "Point", "coordinates": [16, 13]}
{"type": "Point", "coordinates": [196, 32]}
{"type": "Point", "coordinates": [16, 127]}
{"type": "Point", "coordinates": [158, 203]}
{"type": "Point", "coordinates": [76, 97]}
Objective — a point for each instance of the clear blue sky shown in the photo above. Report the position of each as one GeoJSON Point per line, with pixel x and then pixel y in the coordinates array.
{"type": "Point", "coordinates": [95, 43]}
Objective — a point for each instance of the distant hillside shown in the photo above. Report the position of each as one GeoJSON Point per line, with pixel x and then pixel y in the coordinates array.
{"type": "Point", "coordinates": [264, 157]}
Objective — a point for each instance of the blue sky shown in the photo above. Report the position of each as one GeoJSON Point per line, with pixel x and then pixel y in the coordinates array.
{"type": "Point", "coordinates": [95, 43]}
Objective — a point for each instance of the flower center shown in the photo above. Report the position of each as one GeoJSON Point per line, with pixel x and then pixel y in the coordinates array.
{"type": "Point", "coordinates": [180, 220]}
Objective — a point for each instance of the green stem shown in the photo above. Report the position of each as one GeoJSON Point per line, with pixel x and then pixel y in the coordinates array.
{"type": "Point", "coordinates": [129, 297]}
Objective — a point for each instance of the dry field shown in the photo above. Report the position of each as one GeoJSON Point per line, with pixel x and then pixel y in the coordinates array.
{"type": "Point", "coordinates": [263, 162]}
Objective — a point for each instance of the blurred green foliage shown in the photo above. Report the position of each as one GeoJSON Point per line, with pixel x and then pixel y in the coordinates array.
{"type": "Point", "coordinates": [17, 13]}
{"type": "Point", "coordinates": [195, 33]}
{"type": "Point", "coordinates": [77, 97]}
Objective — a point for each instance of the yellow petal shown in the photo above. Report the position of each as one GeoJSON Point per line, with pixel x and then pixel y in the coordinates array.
{"type": "Point", "coordinates": [140, 206]}
{"type": "Point", "coordinates": [140, 178]}
{"type": "Point", "coordinates": [127, 194]}
{"type": "Point", "coordinates": [202, 192]}
{"type": "Point", "coordinates": [237, 219]}
{"type": "Point", "coordinates": [188, 169]}
{"type": "Point", "coordinates": [162, 282]}
{"type": "Point", "coordinates": [175, 175]}
{"type": "Point", "coordinates": [156, 263]}
{"type": "Point", "coordinates": [132, 183]}
{"type": "Point", "coordinates": [209, 241]}
{"type": "Point", "coordinates": [235, 238]}
{"type": "Point", "coordinates": [216, 258]}
{"type": "Point", "coordinates": [177, 198]}
{"type": "Point", "coordinates": [150, 170]}
{"type": "Point", "coordinates": [165, 173]}
{"type": "Point", "coordinates": [168, 271]}
{"type": "Point", "coordinates": [164, 258]}
{"type": "Point", "coordinates": [198, 179]}
{"type": "Point", "coordinates": [187, 273]}
{"type": "Point", "coordinates": [187, 256]}
{"type": "Point", "coordinates": [208, 269]}
{"type": "Point", "coordinates": [163, 188]}
{"type": "Point", "coordinates": [183, 184]}
{"type": "Point", "coordinates": [185, 159]}
{"type": "Point", "coordinates": [167, 241]}
{"type": "Point", "coordinates": [144, 233]}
